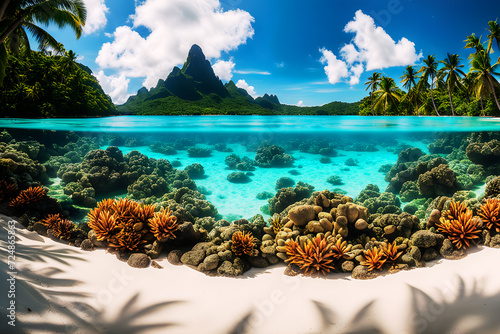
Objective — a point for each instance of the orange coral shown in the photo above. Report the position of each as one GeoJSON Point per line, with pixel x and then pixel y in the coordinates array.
{"type": "Point", "coordinates": [276, 223]}
{"type": "Point", "coordinates": [163, 225]}
{"type": "Point", "coordinates": [51, 220]}
{"type": "Point", "coordinates": [454, 211]}
{"type": "Point", "coordinates": [103, 222]}
{"type": "Point", "coordinates": [28, 196]}
{"type": "Point", "coordinates": [461, 231]}
{"type": "Point", "coordinates": [490, 214]}
{"type": "Point", "coordinates": [121, 222]}
{"type": "Point", "coordinates": [374, 258]}
{"type": "Point", "coordinates": [243, 243]}
{"type": "Point", "coordinates": [7, 190]}
{"type": "Point", "coordinates": [340, 248]}
{"type": "Point", "coordinates": [316, 255]}
{"type": "Point", "coordinates": [62, 229]}
{"type": "Point", "coordinates": [391, 253]}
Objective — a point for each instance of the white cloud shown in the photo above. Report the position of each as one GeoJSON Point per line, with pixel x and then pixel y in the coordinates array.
{"type": "Point", "coordinates": [174, 26]}
{"type": "Point", "coordinates": [223, 69]}
{"type": "Point", "coordinates": [371, 49]}
{"type": "Point", "coordinates": [253, 72]}
{"type": "Point", "coordinates": [96, 16]}
{"type": "Point", "coordinates": [115, 86]}
{"type": "Point", "coordinates": [355, 72]}
{"type": "Point", "coordinates": [300, 103]}
{"type": "Point", "coordinates": [376, 48]}
{"type": "Point", "coordinates": [250, 89]}
{"type": "Point", "coordinates": [335, 69]}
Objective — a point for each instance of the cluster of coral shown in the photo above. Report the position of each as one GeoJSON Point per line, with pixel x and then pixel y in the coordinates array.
{"type": "Point", "coordinates": [314, 233]}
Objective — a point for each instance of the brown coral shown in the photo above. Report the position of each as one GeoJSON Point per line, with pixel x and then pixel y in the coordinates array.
{"type": "Point", "coordinates": [391, 253]}
{"type": "Point", "coordinates": [276, 223]}
{"type": "Point", "coordinates": [454, 211]}
{"type": "Point", "coordinates": [51, 220]}
{"type": "Point", "coordinates": [28, 196]}
{"type": "Point", "coordinates": [121, 222]}
{"type": "Point", "coordinates": [103, 222]}
{"type": "Point", "coordinates": [461, 231]}
{"type": "Point", "coordinates": [315, 256]}
{"type": "Point", "coordinates": [243, 243]}
{"type": "Point", "coordinates": [163, 225]}
{"type": "Point", "coordinates": [490, 214]}
{"type": "Point", "coordinates": [7, 190]}
{"type": "Point", "coordinates": [62, 229]}
{"type": "Point", "coordinates": [374, 258]}
{"type": "Point", "coordinates": [340, 248]}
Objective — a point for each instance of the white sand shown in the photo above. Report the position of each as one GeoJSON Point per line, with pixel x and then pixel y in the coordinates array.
{"type": "Point", "coordinates": [72, 291]}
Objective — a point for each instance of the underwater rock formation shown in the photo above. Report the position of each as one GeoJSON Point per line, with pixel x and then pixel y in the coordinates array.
{"type": "Point", "coordinates": [484, 153]}
{"type": "Point", "coordinates": [272, 156]}
{"type": "Point", "coordinates": [288, 196]}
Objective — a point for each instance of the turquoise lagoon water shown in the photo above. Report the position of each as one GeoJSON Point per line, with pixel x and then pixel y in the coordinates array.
{"type": "Point", "coordinates": [371, 141]}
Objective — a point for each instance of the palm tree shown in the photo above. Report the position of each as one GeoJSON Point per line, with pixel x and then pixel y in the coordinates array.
{"type": "Point", "coordinates": [483, 72]}
{"type": "Point", "coordinates": [408, 80]}
{"type": "Point", "coordinates": [372, 84]}
{"type": "Point", "coordinates": [451, 70]}
{"type": "Point", "coordinates": [494, 29]}
{"type": "Point", "coordinates": [18, 17]}
{"type": "Point", "coordinates": [429, 71]}
{"type": "Point", "coordinates": [388, 94]}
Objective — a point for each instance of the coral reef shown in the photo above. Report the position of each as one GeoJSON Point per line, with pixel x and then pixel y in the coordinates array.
{"type": "Point", "coordinates": [284, 182]}
{"type": "Point", "coordinates": [8, 190]}
{"type": "Point", "coordinates": [195, 171]}
{"type": "Point", "coordinates": [28, 196]}
{"type": "Point", "coordinates": [242, 243]}
{"type": "Point", "coordinates": [460, 226]}
{"type": "Point", "coordinates": [288, 196]}
{"type": "Point", "coordinates": [374, 258]}
{"type": "Point", "coordinates": [62, 229]}
{"type": "Point", "coordinates": [312, 256]}
{"type": "Point", "coordinates": [272, 156]}
{"type": "Point", "coordinates": [163, 225]}
{"type": "Point", "coordinates": [199, 152]}
{"type": "Point", "coordinates": [239, 177]}
{"type": "Point", "coordinates": [489, 213]}
{"type": "Point", "coordinates": [484, 153]}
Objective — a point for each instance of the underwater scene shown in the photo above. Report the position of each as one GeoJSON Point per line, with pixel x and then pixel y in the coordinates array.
{"type": "Point", "coordinates": [254, 191]}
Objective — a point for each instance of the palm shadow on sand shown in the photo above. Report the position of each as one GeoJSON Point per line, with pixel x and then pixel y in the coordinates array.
{"type": "Point", "coordinates": [470, 311]}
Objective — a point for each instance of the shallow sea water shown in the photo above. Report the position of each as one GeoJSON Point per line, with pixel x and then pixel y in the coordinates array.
{"type": "Point", "coordinates": [243, 134]}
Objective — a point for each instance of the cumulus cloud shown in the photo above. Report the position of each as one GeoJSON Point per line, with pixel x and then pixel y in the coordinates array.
{"type": "Point", "coordinates": [371, 49]}
{"type": "Point", "coordinates": [250, 89]}
{"type": "Point", "coordinates": [300, 103]}
{"type": "Point", "coordinates": [173, 27]}
{"type": "Point", "coordinates": [96, 16]}
{"type": "Point", "coordinates": [335, 69]}
{"type": "Point", "coordinates": [224, 69]}
{"type": "Point", "coordinates": [115, 86]}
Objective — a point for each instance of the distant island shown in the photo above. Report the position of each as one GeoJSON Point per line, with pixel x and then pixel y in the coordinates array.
{"type": "Point", "coordinates": [196, 90]}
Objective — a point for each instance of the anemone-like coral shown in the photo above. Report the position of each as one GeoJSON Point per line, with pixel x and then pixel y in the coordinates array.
{"type": "Point", "coordinates": [391, 253]}
{"type": "Point", "coordinates": [51, 220]}
{"type": "Point", "coordinates": [103, 222]}
{"type": "Point", "coordinates": [122, 223]}
{"type": "Point", "coordinates": [7, 190]}
{"type": "Point", "coordinates": [490, 214]}
{"type": "Point", "coordinates": [28, 196]}
{"type": "Point", "coordinates": [461, 231]}
{"type": "Point", "coordinates": [374, 258]}
{"type": "Point", "coordinates": [163, 225]}
{"type": "Point", "coordinates": [340, 248]}
{"type": "Point", "coordinates": [454, 211]}
{"type": "Point", "coordinates": [62, 229]}
{"type": "Point", "coordinates": [314, 256]}
{"type": "Point", "coordinates": [276, 223]}
{"type": "Point", "coordinates": [243, 243]}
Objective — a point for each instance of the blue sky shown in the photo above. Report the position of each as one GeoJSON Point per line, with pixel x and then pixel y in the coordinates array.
{"type": "Point", "coordinates": [305, 52]}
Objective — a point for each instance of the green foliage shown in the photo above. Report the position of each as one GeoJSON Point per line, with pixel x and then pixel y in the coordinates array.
{"type": "Point", "coordinates": [37, 85]}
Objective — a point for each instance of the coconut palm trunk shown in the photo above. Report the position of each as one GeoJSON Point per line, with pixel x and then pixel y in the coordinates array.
{"type": "Point", "coordinates": [433, 103]}
{"type": "Point", "coordinates": [493, 91]}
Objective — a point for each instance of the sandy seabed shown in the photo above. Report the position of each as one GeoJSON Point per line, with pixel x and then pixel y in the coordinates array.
{"type": "Point", "coordinates": [62, 289]}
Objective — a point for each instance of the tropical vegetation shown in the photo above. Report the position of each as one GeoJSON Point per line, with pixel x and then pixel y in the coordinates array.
{"type": "Point", "coordinates": [442, 87]}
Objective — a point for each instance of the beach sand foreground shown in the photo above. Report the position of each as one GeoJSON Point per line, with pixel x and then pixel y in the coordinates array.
{"type": "Point", "coordinates": [62, 289]}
